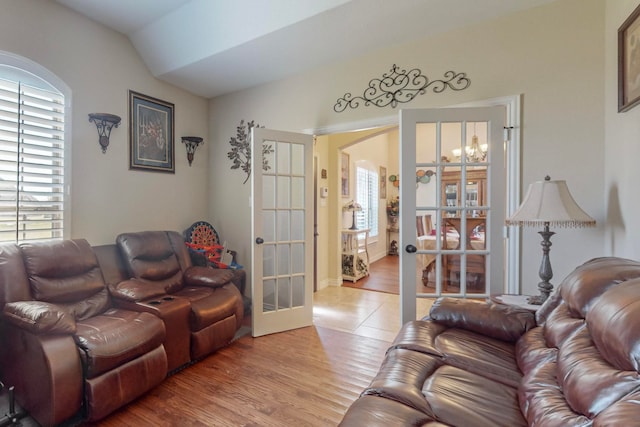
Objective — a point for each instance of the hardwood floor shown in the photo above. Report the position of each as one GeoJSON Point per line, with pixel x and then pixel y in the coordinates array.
{"type": "Point", "coordinates": [383, 276]}
{"type": "Point", "coordinates": [304, 377]}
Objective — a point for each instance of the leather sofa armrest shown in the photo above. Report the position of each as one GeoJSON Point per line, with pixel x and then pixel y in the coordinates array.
{"type": "Point", "coordinates": [136, 290]}
{"type": "Point", "coordinates": [503, 322]}
{"type": "Point", "coordinates": [205, 276]}
{"type": "Point", "coordinates": [40, 317]}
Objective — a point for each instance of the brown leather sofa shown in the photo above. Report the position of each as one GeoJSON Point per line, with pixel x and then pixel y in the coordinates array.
{"type": "Point", "coordinates": [65, 345]}
{"type": "Point", "coordinates": [576, 362]}
{"type": "Point", "coordinates": [161, 272]}
{"type": "Point", "coordinates": [87, 330]}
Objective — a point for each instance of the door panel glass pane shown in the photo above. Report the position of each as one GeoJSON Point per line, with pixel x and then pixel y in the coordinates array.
{"type": "Point", "coordinates": [426, 142]}
{"type": "Point", "coordinates": [297, 289]}
{"type": "Point", "coordinates": [269, 260]}
{"type": "Point", "coordinates": [476, 273]}
{"type": "Point", "coordinates": [426, 235]}
{"type": "Point", "coordinates": [476, 142]}
{"type": "Point", "coordinates": [427, 271]}
{"type": "Point", "coordinates": [451, 273]}
{"type": "Point", "coordinates": [297, 159]}
{"type": "Point", "coordinates": [451, 196]}
{"type": "Point", "coordinates": [297, 225]}
{"type": "Point", "coordinates": [284, 189]}
{"type": "Point", "coordinates": [283, 225]}
{"type": "Point", "coordinates": [268, 192]}
{"type": "Point", "coordinates": [471, 194]}
{"type": "Point", "coordinates": [451, 141]}
{"type": "Point", "coordinates": [283, 260]}
{"type": "Point", "coordinates": [269, 226]}
{"type": "Point", "coordinates": [284, 293]}
{"type": "Point", "coordinates": [297, 258]}
{"type": "Point", "coordinates": [284, 158]}
{"type": "Point", "coordinates": [269, 295]}
{"type": "Point", "coordinates": [297, 193]}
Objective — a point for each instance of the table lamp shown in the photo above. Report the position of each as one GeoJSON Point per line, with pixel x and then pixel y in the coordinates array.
{"type": "Point", "coordinates": [548, 203]}
{"type": "Point", "coordinates": [354, 207]}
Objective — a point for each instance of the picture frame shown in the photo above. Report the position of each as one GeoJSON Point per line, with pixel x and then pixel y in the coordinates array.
{"type": "Point", "coordinates": [344, 175]}
{"type": "Point", "coordinates": [151, 134]}
{"type": "Point", "coordinates": [383, 182]}
{"type": "Point", "coordinates": [629, 62]}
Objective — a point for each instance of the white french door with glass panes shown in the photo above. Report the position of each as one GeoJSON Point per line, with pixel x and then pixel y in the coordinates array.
{"type": "Point", "coordinates": [282, 231]}
{"type": "Point", "coordinates": [457, 157]}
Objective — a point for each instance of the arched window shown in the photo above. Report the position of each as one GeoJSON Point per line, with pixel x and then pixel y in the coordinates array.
{"type": "Point", "coordinates": [367, 196]}
{"type": "Point", "coordinates": [33, 166]}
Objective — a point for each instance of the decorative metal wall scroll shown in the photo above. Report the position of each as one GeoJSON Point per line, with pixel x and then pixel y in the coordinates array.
{"type": "Point", "coordinates": [240, 153]}
{"type": "Point", "coordinates": [400, 86]}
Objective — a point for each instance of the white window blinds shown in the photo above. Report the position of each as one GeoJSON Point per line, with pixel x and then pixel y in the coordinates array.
{"type": "Point", "coordinates": [367, 197]}
{"type": "Point", "coordinates": [31, 162]}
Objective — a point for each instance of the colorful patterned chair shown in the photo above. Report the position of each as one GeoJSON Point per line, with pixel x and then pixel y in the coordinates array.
{"type": "Point", "coordinates": [206, 248]}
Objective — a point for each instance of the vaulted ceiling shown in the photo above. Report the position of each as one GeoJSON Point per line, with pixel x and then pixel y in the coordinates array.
{"type": "Point", "coordinates": [213, 47]}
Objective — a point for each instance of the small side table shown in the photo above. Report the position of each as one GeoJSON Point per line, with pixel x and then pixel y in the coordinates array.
{"type": "Point", "coordinates": [515, 300]}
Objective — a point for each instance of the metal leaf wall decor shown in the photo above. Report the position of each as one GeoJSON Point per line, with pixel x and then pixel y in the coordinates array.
{"type": "Point", "coordinates": [400, 86]}
{"type": "Point", "coordinates": [240, 153]}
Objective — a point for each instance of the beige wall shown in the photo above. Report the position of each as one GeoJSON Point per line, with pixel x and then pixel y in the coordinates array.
{"type": "Point", "coordinates": [621, 174]}
{"type": "Point", "coordinates": [553, 55]}
{"type": "Point", "coordinates": [100, 66]}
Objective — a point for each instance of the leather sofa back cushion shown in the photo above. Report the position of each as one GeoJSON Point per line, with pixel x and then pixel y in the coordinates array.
{"type": "Point", "coordinates": [149, 255]}
{"type": "Point", "coordinates": [614, 325]}
{"type": "Point", "coordinates": [590, 280]}
{"type": "Point", "coordinates": [64, 271]}
{"type": "Point", "coordinates": [13, 277]}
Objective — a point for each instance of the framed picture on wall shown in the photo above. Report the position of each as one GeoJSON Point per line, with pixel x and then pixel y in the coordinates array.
{"type": "Point", "coordinates": [383, 182]}
{"type": "Point", "coordinates": [629, 62]}
{"type": "Point", "coordinates": [151, 133]}
{"type": "Point", "coordinates": [344, 175]}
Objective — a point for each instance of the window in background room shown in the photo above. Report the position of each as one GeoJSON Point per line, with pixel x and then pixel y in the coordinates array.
{"type": "Point", "coordinates": [32, 157]}
{"type": "Point", "coordinates": [367, 197]}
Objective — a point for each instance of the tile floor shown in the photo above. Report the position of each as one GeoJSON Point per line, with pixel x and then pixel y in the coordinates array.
{"type": "Point", "coordinates": [366, 313]}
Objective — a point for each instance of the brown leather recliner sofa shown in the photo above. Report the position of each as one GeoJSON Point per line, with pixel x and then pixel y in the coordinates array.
{"type": "Point", "coordinates": [576, 362]}
{"type": "Point", "coordinates": [162, 275]}
{"type": "Point", "coordinates": [83, 332]}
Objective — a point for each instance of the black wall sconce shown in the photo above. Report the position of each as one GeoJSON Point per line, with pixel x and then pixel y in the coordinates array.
{"type": "Point", "coordinates": [104, 123]}
{"type": "Point", "coordinates": [191, 142]}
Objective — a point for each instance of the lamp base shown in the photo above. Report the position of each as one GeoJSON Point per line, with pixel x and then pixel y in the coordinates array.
{"type": "Point", "coordinates": [353, 225]}
{"type": "Point", "coordinates": [545, 272]}
{"type": "Point", "coordinates": [545, 289]}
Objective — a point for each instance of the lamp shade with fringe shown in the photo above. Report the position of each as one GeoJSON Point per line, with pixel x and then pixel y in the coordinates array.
{"type": "Point", "coordinates": [550, 202]}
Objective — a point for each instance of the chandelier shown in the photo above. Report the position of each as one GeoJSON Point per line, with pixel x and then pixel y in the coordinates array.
{"type": "Point", "coordinates": [475, 152]}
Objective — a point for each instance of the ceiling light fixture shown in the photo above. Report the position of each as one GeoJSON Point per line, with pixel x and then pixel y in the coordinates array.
{"type": "Point", "coordinates": [475, 152]}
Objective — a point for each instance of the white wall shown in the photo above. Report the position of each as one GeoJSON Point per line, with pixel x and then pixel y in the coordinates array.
{"type": "Point", "coordinates": [553, 55]}
{"type": "Point", "coordinates": [100, 66]}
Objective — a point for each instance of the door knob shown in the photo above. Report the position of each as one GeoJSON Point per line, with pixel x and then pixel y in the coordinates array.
{"type": "Point", "coordinates": [411, 249]}
{"type": "Point", "coordinates": [259, 240]}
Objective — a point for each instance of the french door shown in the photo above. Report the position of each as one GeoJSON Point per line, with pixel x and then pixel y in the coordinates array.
{"type": "Point", "coordinates": [282, 231]}
{"type": "Point", "coordinates": [452, 204]}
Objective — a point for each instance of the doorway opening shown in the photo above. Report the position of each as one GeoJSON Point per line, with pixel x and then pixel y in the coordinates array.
{"type": "Point", "coordinates": [329, 144]}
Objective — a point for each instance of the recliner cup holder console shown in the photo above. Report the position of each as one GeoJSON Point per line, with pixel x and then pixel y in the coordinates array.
{"type": "Point", "coordinates": [158, 302]}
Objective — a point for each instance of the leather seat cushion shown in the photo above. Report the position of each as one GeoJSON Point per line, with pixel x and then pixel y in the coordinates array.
{"type": "Point", "coordinates": [209, 305]}
{"type": "Point", "coordinates": [116, 337]}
